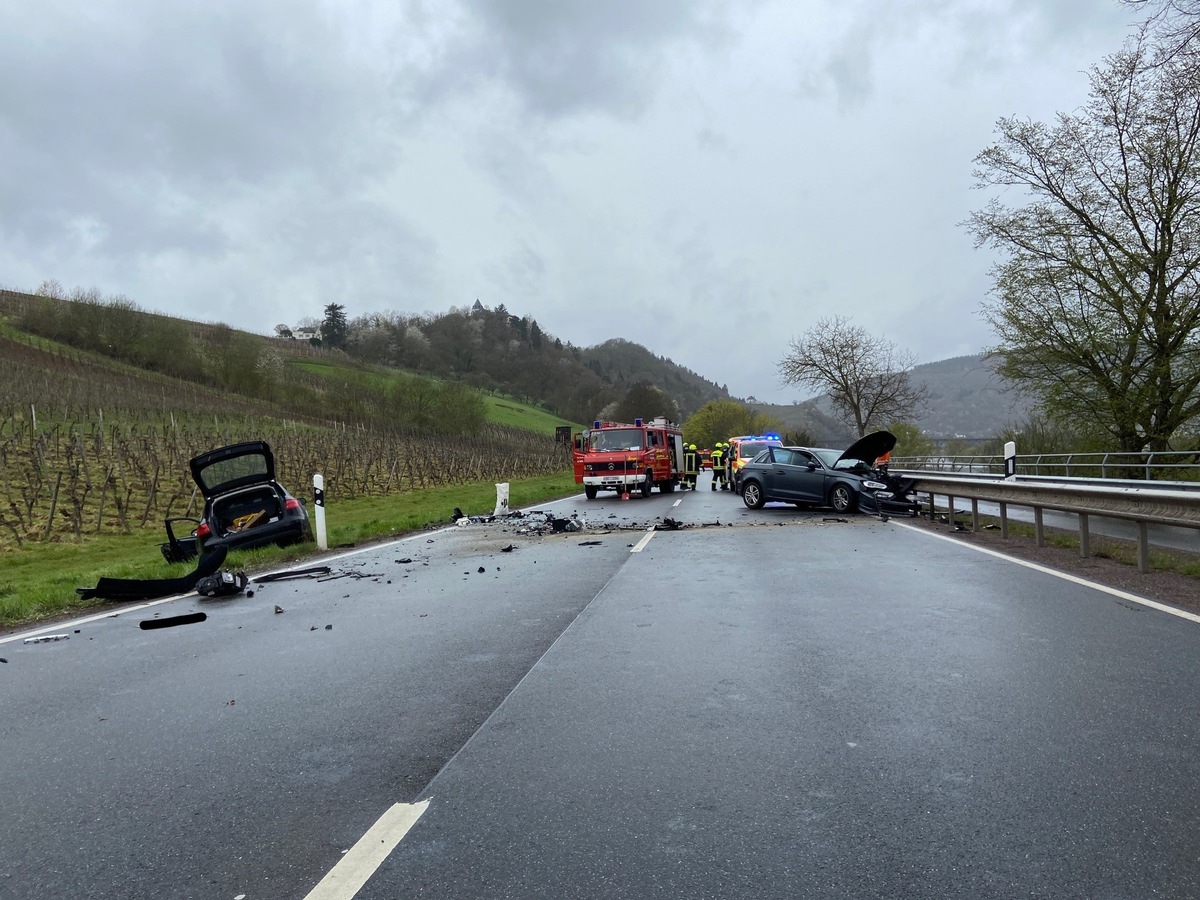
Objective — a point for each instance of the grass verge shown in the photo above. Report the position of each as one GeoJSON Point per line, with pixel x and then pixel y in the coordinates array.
{"type": "Point", "coordinates": [1181, 562]}
{"type": "Point", "coordinates": [38, 582]}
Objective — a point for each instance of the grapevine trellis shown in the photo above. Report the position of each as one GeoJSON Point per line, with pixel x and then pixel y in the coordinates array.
{"type": "Point", "coordinates": [92, 479]}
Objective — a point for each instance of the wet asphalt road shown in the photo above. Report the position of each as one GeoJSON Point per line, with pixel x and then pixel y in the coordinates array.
{"type": "Point", "coordinates": [826, 709]}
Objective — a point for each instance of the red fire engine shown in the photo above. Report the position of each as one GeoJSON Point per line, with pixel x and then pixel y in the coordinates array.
{"type": "Point", "coordinates": [612, 456]}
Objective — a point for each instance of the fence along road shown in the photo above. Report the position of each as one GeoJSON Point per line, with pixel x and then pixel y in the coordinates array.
{"type": "Point", "coordinates": [1171, 505]}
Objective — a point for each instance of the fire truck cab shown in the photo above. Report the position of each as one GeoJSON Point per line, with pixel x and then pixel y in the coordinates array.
{"type": "Point", "coordinates": [614, 456]}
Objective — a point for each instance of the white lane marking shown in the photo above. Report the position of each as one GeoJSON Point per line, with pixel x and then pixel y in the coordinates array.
{"type": "Point", "coordinates": [360, 862]}
{"type": "Point", "coordinates": [1075, 579]}
{"type": "Point", "coordinates": [641, 545]}
{"type": "Point", "coordinates": [677, 502]}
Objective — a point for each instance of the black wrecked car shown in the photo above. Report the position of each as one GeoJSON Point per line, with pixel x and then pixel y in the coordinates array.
{"type": "Point", "coordinates": [244, 506]}
{"type": "Point", "coordinates": [846, 480]}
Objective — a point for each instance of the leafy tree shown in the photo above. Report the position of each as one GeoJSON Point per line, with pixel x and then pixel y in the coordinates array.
{"type": "Point", "coordinates": [645, 401]}
{"type": "Point", "coordinates": [283, 331]}
{"type": "Point", "coordinates": [719, 420]}
{"type": "Point", "coordinates": [910, 440]}
{"type": "Point", "coordinates": [865, 377]}
{"type": "Point", "coordinates": [1097, 306]}
{"type": "Point", "coordinates": [334, 326]}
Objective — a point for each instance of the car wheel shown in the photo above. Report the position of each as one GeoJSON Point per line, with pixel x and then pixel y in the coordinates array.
{"type": "Point", "coordinates": [589, 491]}
{"type": "Point", "coordinates": [648, 484]}
{"type": "Point", "coordinates": [752, 495]}
{"type": "Point", "coordinates": [841, 498]}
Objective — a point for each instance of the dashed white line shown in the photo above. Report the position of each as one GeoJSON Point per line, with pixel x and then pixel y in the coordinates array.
{"type": "Point", "coordinates": [641, 545]}
{"type": "Point", "coordinates": [360, 862]}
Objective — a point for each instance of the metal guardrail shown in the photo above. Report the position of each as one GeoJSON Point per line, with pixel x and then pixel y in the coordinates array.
{"type": "Point", "coordinates": [1179, 465]}
{"type": "Point", "coordinates": [1160, 504]}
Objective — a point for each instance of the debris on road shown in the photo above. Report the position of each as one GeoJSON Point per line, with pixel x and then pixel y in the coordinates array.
{"type": "Point", "coordinates": [222, 584]}
{"type": "Point", "coordinates": [278, 609]}
{"type": "Point", "coordinates": [294, 573]}
{"type": "Point", "coordinates": [153, 588]}
{"type": "Point", "coordinates": [172, 621]}
{"type": "Point", "coordinates": [47, 638]}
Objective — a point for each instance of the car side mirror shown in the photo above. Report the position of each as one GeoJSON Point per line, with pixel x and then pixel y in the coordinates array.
{"type": "Point", "coordinates": [812, 467]}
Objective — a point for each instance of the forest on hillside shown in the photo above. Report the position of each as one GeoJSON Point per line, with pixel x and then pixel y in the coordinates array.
{"type": "Point", "coordinates": [485, 349]}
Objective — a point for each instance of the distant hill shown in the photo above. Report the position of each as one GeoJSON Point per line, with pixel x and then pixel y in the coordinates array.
{"type": "Point", "coordinates": [623, 364]}
{"type": "Point", "coordinates": [967, 400]}
{"type": "Point", "coordinates": [498, 352]}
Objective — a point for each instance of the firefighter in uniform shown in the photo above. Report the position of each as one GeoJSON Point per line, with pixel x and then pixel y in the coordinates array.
{"type": "Point", "coordinates": [718, 466]}
{"type": "Point", "coordinates": [691, 465]}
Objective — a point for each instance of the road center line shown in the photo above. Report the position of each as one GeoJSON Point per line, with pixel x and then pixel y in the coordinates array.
{"type": "Point", "coordinates": [1075, 579]}
{"type": "Point", "coordinates": [360, 862]}
{"type": "Point", "coordinates": [641, 545]}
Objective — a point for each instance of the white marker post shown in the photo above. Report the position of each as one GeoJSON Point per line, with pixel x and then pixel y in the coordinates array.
{"type": "Point", "coordinates": [319, 510]}
{"type": "Point", "coordinates": [1010, 459]}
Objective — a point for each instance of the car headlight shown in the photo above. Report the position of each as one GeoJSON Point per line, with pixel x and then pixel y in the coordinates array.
{"type": "Point", "coordinates": [874, 486]}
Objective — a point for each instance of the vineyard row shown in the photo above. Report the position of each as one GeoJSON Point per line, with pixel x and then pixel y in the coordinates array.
{"type": "Point", "coordinates": [87, 480]}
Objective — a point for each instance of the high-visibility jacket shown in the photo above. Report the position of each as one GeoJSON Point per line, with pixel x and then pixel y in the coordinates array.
{"type": "Point", "coordinates": [691, 461]}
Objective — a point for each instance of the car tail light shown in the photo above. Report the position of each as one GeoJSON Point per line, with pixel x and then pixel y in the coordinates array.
{"type": "Point", "coordinates": [291, 504]}
{"type": "Point", "coordinates": [203, 531]}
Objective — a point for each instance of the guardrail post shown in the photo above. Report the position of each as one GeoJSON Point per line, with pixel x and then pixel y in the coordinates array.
{"type": "Point", "coordinates": [1039, 528]}
{"type": "Point", "coordinates": [1003, 521]}
{"type": "Point", "coordinates": [1143, 547]}
{"type": "Point", "coordinates": [974, 514]}
{"type": "Point", "coordinates": [1085, 537]}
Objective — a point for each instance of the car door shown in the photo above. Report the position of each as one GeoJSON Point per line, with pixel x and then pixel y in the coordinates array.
{"type": "Point", "coordinates": [806, 478]}
{"type": "Point", "coordinates": [782, 478]}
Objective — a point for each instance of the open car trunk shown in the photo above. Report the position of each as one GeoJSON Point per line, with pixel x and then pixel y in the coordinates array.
{"type": "Point", "coordinates": [247, 509]}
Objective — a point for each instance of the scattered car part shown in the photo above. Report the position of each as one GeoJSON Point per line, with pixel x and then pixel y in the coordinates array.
{"type": "Point", "coordinates": [152, 588]}
{"type": "Point", "coordinates": [47, 638]}
{"type": "Point", "coordinates": [222, 584]}
{"type": "Point", "coordinates": [295, 573]}
{"type": "Point", "coordinates": [172, 621]}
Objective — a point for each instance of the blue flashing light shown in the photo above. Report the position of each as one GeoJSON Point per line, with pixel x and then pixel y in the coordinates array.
{"type": "Point", "coordinates": [596, 424]}
{"type": "Point", "coordinates": [637, 422]}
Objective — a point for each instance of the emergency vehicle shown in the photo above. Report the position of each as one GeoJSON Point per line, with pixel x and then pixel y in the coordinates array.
{"type": "Point", "coordinates": [744, 448]}
{"type": "Point", "coordinates": [613, 456]}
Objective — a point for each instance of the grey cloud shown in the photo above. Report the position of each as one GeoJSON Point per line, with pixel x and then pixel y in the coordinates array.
{"type": "Point", "coordinates": [579, 56]}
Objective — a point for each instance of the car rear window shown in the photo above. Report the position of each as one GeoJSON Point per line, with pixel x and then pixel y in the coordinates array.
{"type": "Point", "coordinates": [252, 465]}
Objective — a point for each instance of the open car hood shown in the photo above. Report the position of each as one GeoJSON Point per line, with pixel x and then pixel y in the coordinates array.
{"type": "Point", "coordinates": [232, 467]}
{"type": "Point", "coordinates": [869, 448]}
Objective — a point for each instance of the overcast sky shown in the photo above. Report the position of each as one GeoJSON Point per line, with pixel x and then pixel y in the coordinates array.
{"type": "Point", "coordinates": [708, 178]}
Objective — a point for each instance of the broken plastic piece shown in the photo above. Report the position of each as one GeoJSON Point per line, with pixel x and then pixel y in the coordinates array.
{"type": "Point", "coordinates": [150, 588]}
{"type": "Point", "coordinates": [47, 638]}
{"type": "Point", "coordinates": [171, 621]}
{"type": "Point", "coordinates": [222, 584]}
{"type": "Point", "coordinates": [294, 573]}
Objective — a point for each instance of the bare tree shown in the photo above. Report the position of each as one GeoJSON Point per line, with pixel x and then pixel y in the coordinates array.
{"type": "Point", "coordinates": [1097, 306]}
{"type": "Point", "coordinates": [1172, 26]}
{"type": "Point", "coordinates": [865, 377]}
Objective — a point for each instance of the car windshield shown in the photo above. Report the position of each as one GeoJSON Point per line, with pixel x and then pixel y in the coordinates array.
{"type": "Point", "coordinates": [617, 439]}
{"type": "Point", "coordinates": [829, 457]}
{"type": "Point", "coordinates": [751, 449]}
